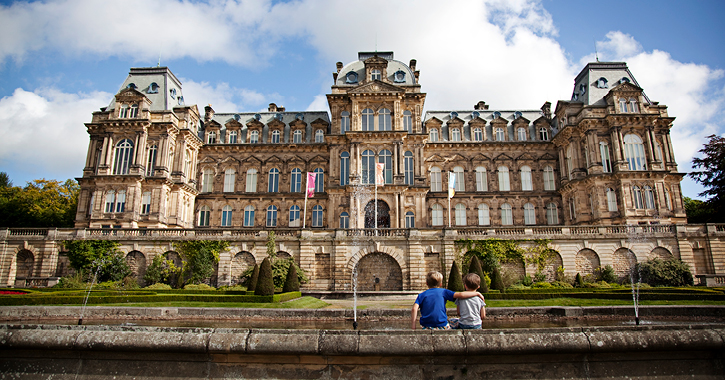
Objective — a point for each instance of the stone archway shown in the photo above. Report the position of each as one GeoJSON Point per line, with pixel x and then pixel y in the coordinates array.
{"type": "Point", "coordinates": [378, 271]}
{"type": "Point", "coordinates": [240, 263]}
{"type": "Point", "coordinates": [383, 214]}
{"type": "Point", "coordinates": [554, 263]}
{"type": "Point", "coordinates": [24, 263]}
{"type": "Point", "coordinates": [660, 253]}
{"type": "Point", "coordinates": [587, 261]}
{"type": "Point", "coordinates": [623, 260]}
{"type": "Point", "coordinates": [283, 255]}
{"type": "Point", "coordinates": [176, 259]}
{"type": "Point", "coordinates": [137, 262]}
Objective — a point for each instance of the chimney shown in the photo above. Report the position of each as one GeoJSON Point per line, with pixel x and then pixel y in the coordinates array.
{"type": "Point", "coordinates": [272, 107]}
{"type": "Point", "coordinates": [334, 77]}
{"type": "Point", "coordinates": [417, 75]}
{"type": "Point", "coordinates": [280, 109]}
{"type": "Point", "coordinates": [546, 110]}
{"type": "Point", "coordinates": [412, 64]}
{"type": "Point", "coordinates": [339, 66]}
{"type": "Point", "coordinates": [208, 113]}
{"type": "Point", "coordinates": [480, 106]}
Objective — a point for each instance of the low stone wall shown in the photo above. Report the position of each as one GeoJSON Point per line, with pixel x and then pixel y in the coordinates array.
{"type": "Point", "coordinates": [93, 352]}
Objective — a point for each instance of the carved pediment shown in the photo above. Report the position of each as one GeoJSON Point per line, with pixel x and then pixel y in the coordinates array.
{"type": "Point", "coordinates": [297, 124]}
{"type": "Point", "coordinates": [626, 87]}
{"type": "Point", "coordinates": [273, 159]}
{"type": "Point", "coordinates": [477, 122]}
{"type": "Point", "coordinates": [275, 124]}
{"type": "Point", "coordinates": [207, 160]}
{"type": "Point", "coordinates": [129, 94]}
{"type": "Point", "coordinates": [232, 124]}
{"type": "Point", "coordinates": [319, 159]}
{"type": "Point", "coordinates": [547, 157]}
{"type": "Point", "coordinates": [499, 122]}
{"type": "Point", "coordinates": [376, 87]}
{"type": "Point", "coordinates": [525, 157]}
{"type": "Point", "coordinates": [434, 122]}
{"type": "Point", "coordinates": [375, 60]}
{"type": "Point", "coordinates": [252, 160]}
{"type": "Point", "coordinates": [480, 158]}
{"type": "Point", "coordinates": [255, 124]}
{"type": "Point", "coordinates": [435, 158]}
{"type": "Point", "coordinates": [457, 158]}
{"type": "Point", "coordinates": [211, 124]}
{"type": "Point", "coordinates": [502, 157]}
{"type": "Point", "coordinates": [521, 120]}
{"type": "Point", "coordinates": [229, 160]}
{"type": "Point", "coordinates": [542, 122]}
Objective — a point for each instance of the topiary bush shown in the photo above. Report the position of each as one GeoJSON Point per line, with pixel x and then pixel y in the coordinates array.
{"type": "Point", "coordinates": [252, 280]}
{"type": "Point", "coordinates": [561, 285]}
{"type": "Point", "coordinates": [475, 267]}
{"type": "Point", "coordinates": [542, 285]}
{"type": "Point", "coordinates": [497, 280]}
{"type": "Point", "coordinates": [198, 287]}
{"type": "Point", "coordinates": [671, 272]}
{"type": "Point", "coordinates": [292, 282]}
{"type": "Point", "coordinates": [579, 281]}
{"type": "Point", "coordinates": [159, 286]}
{"type": "Point", "coordinates": [455, 281]}
{"type": "Point", "coordinates": [265, 283]}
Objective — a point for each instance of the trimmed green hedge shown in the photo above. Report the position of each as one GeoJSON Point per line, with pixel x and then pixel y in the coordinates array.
{"type": "Point", "coordinates": [51, 299]}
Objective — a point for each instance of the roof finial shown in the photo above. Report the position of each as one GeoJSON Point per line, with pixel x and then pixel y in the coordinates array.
{"type": "Point", "coordinates": [596, 53]}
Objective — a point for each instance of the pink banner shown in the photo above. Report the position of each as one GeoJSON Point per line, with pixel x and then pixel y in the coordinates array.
{"type": "Point", "coordinates": [311, 184]}
{"type": "Point", "coordinates": [380, 173]}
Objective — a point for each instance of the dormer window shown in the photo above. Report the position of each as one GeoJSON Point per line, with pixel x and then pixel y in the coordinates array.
{"type": "Point", "coordinates": [300, 117]}
{"type": "Point", "coordinates": [624, 80]}
{"type": "Point", "coordinates": [496, 115]}
{"type": "Point", "coordinates": [153, 88]}
{"type": "Point", "coordinates": [172, 92]}
{"type": "Point", "coordinates": [399, 76]}
{"type": "Point", "coordinates": [254, 137]}
{"type": "Point", "coordinates": [278, 116]}
{"type": "Point", "coordinates": [575, 96]}
{"type": "Point", "coordinates": [633, 105]}
{"type": "Point", "coordinates": [132, 85]}
{"type": "Point", "coordinates": [181, 100]}
{"type": "Point", "coordinates": [475, 114]}
{"type": "Point", "coordinates": [351, 77]}
{"type": "Point", "coordinates": [375, 75]}
{"type": "Point", "coordinates": [623, 105]}
{"type": "Point", "coordinates": [275, 136]}
{"type": "Point", "coordinates": [602, 83]}
{"type": "Point", "coordinates": [134, 111]}
{"type": "Point", "coordinates": [211, 138]}
{"type": "Point", "coordinates": [517, 114]}
{"type": "Point", "coordinates": [257, 117]}
{"type": "Point", "coordinates": [582, 88]}
{"type": "Point", "coordinates": [454, 115]}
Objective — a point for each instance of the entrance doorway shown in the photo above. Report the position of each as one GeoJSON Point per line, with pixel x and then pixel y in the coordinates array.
{"type": "Point", "coordinates": [383, 214]}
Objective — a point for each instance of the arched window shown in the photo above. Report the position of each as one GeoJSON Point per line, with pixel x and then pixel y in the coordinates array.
{"type": "Point", "coordinates": [204, 214]}
{"type": "Point", "coordinates": [386, 157]}
{"type": "Point", "coordinates": [254, 137]}
{"type": "Point", "coordinates": [622, 105]}
{"type": "Point", "coordinates": [503, 179]}
{"type": "Point", "coordinates": [481, 179]}
{"type": "Point", "coordinates": [319, 180]}
{"type": "Point", "coordinates": [368, 167]}
{"type": "Point", "coordinates": [407, 121]}
{"type": "Point", "coordinates": [294, 216]}
{"type": "Point", "coordinates": [506, 215]}
{"type": "Point", "coordinates": [409, 219]}
{"type": "Point", "coordinates": [110, 201]}
{"type": "Point", "coordinates": [368, 120]}
{"type": "Point", "coordinates": [637, 197]}
{"type": "Point", "coordinates": [602, 83]}
{"type": "Point", "coordinates": [543, 134]}
{"type": "Point", "coordinates": [344, 168]}
{"type": "Point", "coordinates": [552, 214]}
{"type": "Point", "coordinates": [344, 122]}
{"type": "Point", "coordinates": [611, 200]}
{"type": "Point", "coordinates": [606, 160]}
{"type": "Point", "coordinates": [375, 75]}
{"type": "Point", "coordinates": [151, 160]}
{"type": "Point", "coordinates": [408, 163]}
{"type": "Point", "coordinates": [145, 203]}
{"type": "Point", "coordinates": [233, 137]}
{"type": "Point", "coordinates": [634, 151]}
{"type": "Point", "coordinates": [344, 220]}
{"type": "Point", "coordinates": [227, 216]}
{"type": "Point", "coordinates": [275, 136]}
{"type": "Point", "coordinates": [526, 183]}
{"type": "Point", "coordinates": [211, 138]}
{"type": "Point", "coordinates": [273, 182]}
{"type": "Point", "coordinates": [649, 198]}
{"type": "Point", "coordinates": [529, 214]}
{"type": "Point", "coordinates": [437, 215]}
{"type": "Point", "coordinates": [549, 183]}
{"type": "Point", "coordinates": [384, 122]}
{"type": "Point", "coordinates": [121, 201]}
{"type": "Point", "coordinates": [433, 135]}
{"type": "Point", "coordinates": [460, 214]}
{"type": "Point", "coordinates": [272, 216]}
{"type": "Point", "coordinates": [455, 135]}
{"type": "Point", "coordinates": [123, 156]}
{"type": "Point", "coordinates": [484, 217]}
{"type": "Point", "coordinates": [435, 179]}
{"type": "Point", "coordinates": [296, 181]}
{"type": "Point", "coordinates": [633, 107]}
{"type": "Point", "coordinates": [229, 178]}
{"type": "Point", "coordinates": [460, 183]}
{"type": "Point", "coordinates": [251, 186]}
{"type": "Point", "coordinates": [319, 136]}
{"type": "Point", "coordinates": [477, 134]}
{"type": "Point", "coordinates": [317, 216]}
{"type": "Point", "coordinates": [249, 216]}
{"type": "Point", "coordinates": [521, 134]}
{"type": "Point", "coordinates": [207, 180]}
{"type": "Point", "coordinates": [500, 134]}
{"type": "Point", "coordinates": [297, 137]}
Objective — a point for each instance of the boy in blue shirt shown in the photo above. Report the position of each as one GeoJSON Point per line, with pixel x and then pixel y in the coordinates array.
{"type": "Point", "coordinates": [432, 303]}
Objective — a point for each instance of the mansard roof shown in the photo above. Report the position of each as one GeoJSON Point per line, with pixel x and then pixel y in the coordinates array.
{"type": "Point", "coordinates": [308, 117]}
{"type": "Point", "coordinates": [158, 84]}
{"type": "Point", "coordinates": [485, 115]}
{"type": "Point", "coordinates": [358, 67]}
{"type": "Point", "coordinates": [595, 81]}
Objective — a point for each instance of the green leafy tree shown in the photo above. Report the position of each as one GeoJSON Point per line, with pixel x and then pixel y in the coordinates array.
{"type": "Point", "coordinates": [455, 281]}
{"type": "Point", "coordinates": [671, 272]}
{"type": "Point", "coordinates": [292, 282]}
{"type": "Point", "coordinates": [5, 181]}
{"type": "Point", "coordinates": [199, 258]}
{"type": "Point", "coordinates": [253, 279]}
{"type": "Point", "coordinates": [698, 211]}
{"type": "Point", "coordinates": [712, 176]}
{"type": "Point", "coordinates": [497, 280]}
{"type": "Point", "coordinates": [98, 256]}
{"type": "Point", "coordinates": [271, 245]}
{"type": "Point", "coordinates": [265, 284]}
{"type": "Point", "coordinates": [41, 203]}
{"type": "Point", "coordinates": [161, 270]}
{"type": "Point", "coordinates": [280, 268]}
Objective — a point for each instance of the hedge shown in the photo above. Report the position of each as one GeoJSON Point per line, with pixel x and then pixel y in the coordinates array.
{"type": "Point", "coordinates": [46, 299]}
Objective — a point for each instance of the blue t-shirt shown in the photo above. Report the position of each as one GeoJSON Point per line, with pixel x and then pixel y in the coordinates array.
{"type": "Point", "coordinates": [432, 303]}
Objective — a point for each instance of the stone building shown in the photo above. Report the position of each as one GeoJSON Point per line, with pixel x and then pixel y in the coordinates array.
{"type": "Point", "coordinates": [597, 177]}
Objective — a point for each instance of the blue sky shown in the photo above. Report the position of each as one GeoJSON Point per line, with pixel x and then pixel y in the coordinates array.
{"type": "Point", "coordinates": [61, 60]}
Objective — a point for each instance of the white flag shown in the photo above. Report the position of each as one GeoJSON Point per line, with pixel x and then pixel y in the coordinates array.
{"type": "Point", "coordinates": [451, 184]}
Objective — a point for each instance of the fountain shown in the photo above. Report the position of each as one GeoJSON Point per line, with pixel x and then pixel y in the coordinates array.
{"type": "Point", "coordinates": [635, 288]}
{"type": "Point", "coordinates": [99, 264]}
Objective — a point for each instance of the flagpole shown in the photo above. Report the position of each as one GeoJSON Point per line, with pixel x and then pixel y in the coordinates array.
{"type": "Point", "coordinates": [304, 213]}
{"type": "Point", "coordinates": [449, 212]}
{"type": "Point", "coordinates": [376, 206]}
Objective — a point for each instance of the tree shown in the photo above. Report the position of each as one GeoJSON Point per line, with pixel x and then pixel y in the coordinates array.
{"type": "Point", "coordinates": [455, 281]}
{"type": "Point", "coordinates": [292, 282]}
{"type": "Point", "coordinates": [712, 175]}
{"type": "Point", "coordinates": [497, 280]}
{"type": "Point", "coordinates": [698, 211]}
{"type": "Point", "coordinates": [671, 272]}
{"type": "Point", "coordinates": [41, 203]}
{"type": "Point", "coordinates": [475, 267]}
{"type": "Point", "coordinates": [271, 246]}
{"type": "Point", "coordinates": [161, 270]}
{"type": "Point", "coordinates": [265, 285]}
{"type": "Point", "coordinates": [199, 258]}
{"type": "Point", "coordinates": [252, 281]}
{"type": "Point", "coordinates": [98, 256]}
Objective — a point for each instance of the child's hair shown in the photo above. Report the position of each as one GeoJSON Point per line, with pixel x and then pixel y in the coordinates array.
{"type": "Point", "coordinates": [434, 279]}
{"type": "Point", "coordinates": [472, 281]}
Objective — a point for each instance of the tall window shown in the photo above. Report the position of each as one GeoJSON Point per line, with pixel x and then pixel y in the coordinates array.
{"type": "Point", "coordinates": [460, 183]}
{"type": "Point", "coordinates": [375, 75]}
{"type": "Point", "coordinates": [319, 136]}
{"type": "Point", "coordinates": [668, 200]}
{"type": "Point", "coordinates": [134, 111]}
{"type": "Point", "coordinates": [344, 122]}
{"type": "Point", "coordinates": [211, 138]}
{"type": "Point", "coordinates": [435, 179]}
{"type": "Point", "coordinates": [543, 134]}
{"type": "Point", "coordinates": [408, 121]}
{"type": "Point", "coordinates": [637, 197]}
{"type": "Point", "coordinates": [455, 135]}
{"type": "Point", "coordinates": [529, 214]}
{"type": "Point", "coordinates": [549, 183]}
{"type": "Point", "coordinates": [227, 216]}
{"type": "Point", "coordinates": [384, 122]}
{"type": "Point", "coordinates": [204, 214]}
{"type": "Point", "coordinates": [484, 217]}
{"type": "Point", "coordinates": [521, 134]}
{"type": "Point", "coordinates": [294, 216]}
{"type": "Point", "coordinates": [408, 163]}
{"type": "Point", "coordinates": [319, 180]}
{"type": "Point", "coordinates": [622, 105]}
{"type": "Point", "coordinates": [317, 216]}
{"type": "Point", "coordinates": [249, 216]}
{"type": "Point", "coordinates": [146, 203]}
{"type": "Point", "coordinates": [121, 201]}
{"type": "Point", "coordinates": [552, 214]}
{"type": "Point", "coordinates": [437, 215]}
{"type": "Point", "coordinates": [273, 184]}
{"type": "Point", "coordinates": [477, 134]}
{"type": "Point", "coordinates": [633, 105]}
{"type": "Point", "coordinates": [386, 157]}
{"type": "Point", "coordinates": [606, 160]}
{"type": "Point", "coordinates": [151, 160]}
{"type": "Point", "coordinates": [344, 168]}
{"type": "Point", "coordinates": [254, 137]}
{"type": "Point", "coordinates": [506, 215]}
{"type": "Point", "coordinates": [611, 200]}
{"type": "Point", "coordinates": [649, 198]}
{"type": "Point", "coordinates": [123, 156]}
{"type": "Point", "coordinates": [344, 220]}
{"type": "Point", "coordinates": [460, 214]}
{"type": "Point", "coordinates": [230, 176]}
{"type": "Point", "coordinates": [569, 160]}
{"type": "Point", "coordinates": [297, 137]}
{"type": "Point", "coordinates": [110, 201]}
{"type": "Point", "coordinates": [123, 112]}
{"type": "Point", "coordinates": [233, 137]}
{"type": "Point", "coordinates": [251, 181]}
{"type": "Point", "coordinates": [275, 136]}
{"type": "Point", "coordinates": [368, 167]}
{"type": "Point", "coordinates": [433, 135]}
{"type": "Point", "coordinates": [368, 120]}
{"type": "Point", "coordinates": [296, 181]}
{"type": "Point", "coordinates": [499, 134]}
{"type": "Point", "coordinates": [409, 219]}
{"type": "Point", "coordinates": [481, 179]}
{"type": "Point", "coordinates": [503, 179]}
{"type": "Point", "coordinates": [634, 151]}
{"type": "Point", "coordinates": [207, 180]}
{"type": "Point", "coordinates": [272, 216]}
{"type": "Point", "coordinates": [526, 183]}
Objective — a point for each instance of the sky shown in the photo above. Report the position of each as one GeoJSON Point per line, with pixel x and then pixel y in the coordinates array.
{"type": "Point", "coordinates": [61, 60]}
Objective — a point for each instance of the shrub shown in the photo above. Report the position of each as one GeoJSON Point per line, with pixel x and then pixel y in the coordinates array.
{"type": "Point", "coordinates": [606, 274]}
{"type": "Point", "coordinates": [233, 288]}
{"type": "Point", "coordinates": [539, 277]}
{"type": "Point", "coordinates": [161, 270]}
{"type": "Point", "coordinates": [542, 285]}
{"type": "Point", "coordinates": [671, 272]}
{"type": "Point", "coordinates": [518, 287]}
{"type": "Point", "coordinates": [561, 285]}
{"type": "Point", "coordinates": [74, 281]}
{"type": "Point", "coordinates": [280, 268]}
{"type": "Point", "coordinates": [159, 286]}
{"type": "Point", "coordinates": [199, 258]}
{"type": "Point", "coordinates": [198, 287]}
{"type": "Point", "coordinates": [455, 281]}
{"type": "Point", "coordinates": [475, 267]}
{"type": "Point", "coordinates": [596, 285]}
{"type": "Point", "coordinates": [509, 277]}
{"type": "Point", "coordinates": [527, 281]}
{"type": "Point", "coordinates": [579, 281]}
{"type": "Point", "coordinates": [497, 280]}
{"type": "Point", "coordinates": [292, 282]}
{"type": "Point", "coordinates": [265, 284]}
{"type": "Point", "coordinates": [253, 279]}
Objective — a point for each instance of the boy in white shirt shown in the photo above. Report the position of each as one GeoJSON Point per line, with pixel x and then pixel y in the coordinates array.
{"type": "Point", "coordinates": [471, 310]}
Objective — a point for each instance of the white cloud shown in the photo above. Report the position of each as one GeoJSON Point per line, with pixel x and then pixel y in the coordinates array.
{"type": "Point", "coordinates": [225, 98]}
{"type": "Point", "coordinates": [43, 133]}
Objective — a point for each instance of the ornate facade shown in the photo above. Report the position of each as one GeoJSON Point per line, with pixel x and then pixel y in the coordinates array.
{"type": "Point", "coordinates": [158, 170]}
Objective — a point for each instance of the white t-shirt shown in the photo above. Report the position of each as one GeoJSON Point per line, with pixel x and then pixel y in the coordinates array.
{"type": "Point", "coordinates": [470, 309]}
